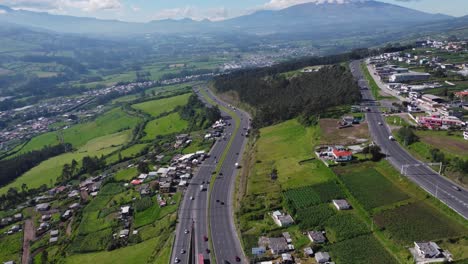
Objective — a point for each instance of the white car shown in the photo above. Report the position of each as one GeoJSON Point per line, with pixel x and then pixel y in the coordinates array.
{"type": "Point", "coordinates": [191, 197]}
{"type": "Point", "coordinates": [182, 251]}
{"type": "Point", "coordinates": [186, 231]}
{"type": "Point", "coordinates": [176, 260]}
{"type": "Point", "coordinates": [380, 123]}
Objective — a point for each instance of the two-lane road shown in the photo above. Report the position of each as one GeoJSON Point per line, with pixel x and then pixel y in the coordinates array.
{"type": "Point", "coordinates": [440, 187]}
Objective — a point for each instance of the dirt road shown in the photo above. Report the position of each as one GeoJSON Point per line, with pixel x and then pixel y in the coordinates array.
{"type": "Point", "coordinates": [29, 235]}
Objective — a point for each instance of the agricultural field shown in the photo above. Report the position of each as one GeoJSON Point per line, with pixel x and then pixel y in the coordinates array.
{"type": "Point", "coordinates": [165, 125]}
{"type": "Point", "coordinates": [155, 212]}
{"type": "Point", "coordinates": [453, 144]}
{"type": "Point", "coordinates": [368, 185]}
{"type": "Point", "coordinates": [157, 107]}
{"type": "Point", "coordinates": [417, 222]}
{"type": "Point", "coordinates": [360, 250]}
{"type": "Point", "coordinates": [126, 174]}
{"type": "Point", "coordinates": [312, 195]}
{"type": "Point", "coordinates": [345, 225]}
{"type": "Point", "coordinates": [48, 171]}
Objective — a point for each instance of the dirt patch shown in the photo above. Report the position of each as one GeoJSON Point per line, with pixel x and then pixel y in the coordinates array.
{"type": "Point", "coordinates": [29, 235]}
{"type": "Point", "coordinates": [346, 136]}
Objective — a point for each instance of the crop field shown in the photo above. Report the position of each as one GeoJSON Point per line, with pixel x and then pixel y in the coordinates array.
{"type": "Point", "coordinates": [95, 241]}
{"type": "Point", "coordinates": [165, 125]}
{"type": "Point", "coordinates": [157, 107]}
{"type": "Point", "coordinates": [110, 122]}
{"type": "Point", "coordinates": [11, 246]}
{"type": "Point", "coordinates": [313, 195]}
{"type": "Point", "coordinates": [417, 222]}
{"type": "Point", "coordinates": [314, 217]}
{"type": "Point", "coordinates": [370, 187]}
{"type": "Point", "coordinates": [48, 171]}
{"type": "Point", "coordinates": [345, 225]}
{"type": "Point", "coordinates": [360, 250]}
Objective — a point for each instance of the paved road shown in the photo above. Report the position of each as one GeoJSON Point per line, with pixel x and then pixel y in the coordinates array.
{"type": "Point", "coordinates": [435, 184]}
{"type": "Point", "coordinates": [193, 214]}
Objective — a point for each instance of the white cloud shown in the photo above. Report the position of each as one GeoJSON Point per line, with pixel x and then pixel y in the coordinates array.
{"type": "Point", "coordinates": [136, 8]}
{"type": "Point", "coordinates": [195, 13]}
{"type": "Point", "coordinates": [2, 11]}
{"type": "Point", "coordinates": [280, 4]}
{"type": "Point", "coordinates": [58, 6]}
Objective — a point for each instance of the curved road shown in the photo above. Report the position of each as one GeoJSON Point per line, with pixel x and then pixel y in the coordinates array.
{"type": "Point", "coordinates": [195, 215]}
{"type": "Point", "coordinates": [440, 187]}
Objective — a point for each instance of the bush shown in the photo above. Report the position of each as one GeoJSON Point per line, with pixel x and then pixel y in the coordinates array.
{"type": "Point", "coordinates": [407, 135]}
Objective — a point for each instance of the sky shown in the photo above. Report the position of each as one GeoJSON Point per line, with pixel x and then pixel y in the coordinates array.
{"type": "Point", "coordinates": [147, 10]}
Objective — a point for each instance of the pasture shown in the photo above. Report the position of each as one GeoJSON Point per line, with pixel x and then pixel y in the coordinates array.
{"type": "Point", "coordinates": [48, 171]}
{"type": "Point", "coordinates": [156, 212]}
{"type": "Point", "coordinates": [11, 246]}
{"type": "Point", "coordinates": [165, 125]}
{"type": "Point", "coordinates": [157, 107]}
{"type": "Point", "coordinates": [130, 152]}
{"type": "Point", "coordinates": [126, 174]}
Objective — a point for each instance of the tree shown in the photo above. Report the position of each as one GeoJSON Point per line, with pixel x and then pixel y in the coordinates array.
{"type": "Point", "coordinates": [44, 257]}
{"type": "Point", "coordinates": [143, 167]}
{"type": "Point", "coordinates": [24, 187]}
{"type": "Point", "coordinates": [374, 151]}
{"type": "Point", "coordinates": [407, 135]}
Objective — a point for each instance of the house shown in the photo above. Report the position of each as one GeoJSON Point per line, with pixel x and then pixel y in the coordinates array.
{"type": "Point", "coordinates": [125, 210]}
{"type": "Point", "coordinates": [341, 204]}
{"type": "Point", "coordinates": [341, 155]}
{"type": "Point", "coordinates": [74, 194]}
{"type": "Point", "coordinates": [282, 219]}
{"type": "Point", "coordinates": [258, 251]}
{"type": "Point", "coordinates": [43, 207]}
{"type": "Point", "coordinates": [162, 172]}
{"type": "Point", "coordinates": [287, 236]}
{"type": "Point", "coordinates": [143, 176]}
{"type": "Point", "coordinates": [53, 240]}
{"type": "Point", "coordinates": [432, 99]}
{"type": "Point", "coordinates": [124, 233]}
{"type": "Point", "coordinates": [308, 251]}
{"type": "Point", "coordinates": [165, 187]}
{"type": "Point", "coordinates": [46, 217]}
{"type": "Point", "coordinates": [316, 236]}
{"type": "Point", "coordinates": [322, 257]}
{"type": "Point", "coordinates": [18, 217]}
{"type": "Point", "coordinates": [74, 206]}
{"type": "Point", "coordinates": [278, 245]}
{"type": "Point", "coordinates": [43, 226]}
{"type": "Point", "coordinates": [54, 233]}
{"type": "Point", "coordinates": [428, 249]}
{"type": "Point", "coordinates": [9, 262]}
{"type": "Point", "coordinates": [437, 121]}
{"type": "Point", "coordinates": [286, 258]}
{"type": "Point", "coordinates": [66, 215]}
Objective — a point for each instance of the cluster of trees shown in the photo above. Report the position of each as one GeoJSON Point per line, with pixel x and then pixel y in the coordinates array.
{"type": "Point", "coordinates": [407, 135]}
{"type": "Point", "coordinates": [89, 165]}
{"type": "Point", "coordinates": [197, 114]}
{"type": "Point", "coordinates": [16, 166]}
{"type": "Point", "coordinates": [374, 151]}
{"type": "Point", "coordinates": [277, 98]}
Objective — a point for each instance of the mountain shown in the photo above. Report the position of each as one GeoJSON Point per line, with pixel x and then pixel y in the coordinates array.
{"type": "Point", "coordinates": [325, 18]}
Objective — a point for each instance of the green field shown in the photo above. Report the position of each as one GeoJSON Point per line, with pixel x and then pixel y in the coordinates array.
{"type": "Point", "coordinates": [165, 125]}
{"type": "Point", "coordinates": [11, 246]}
{"type": "Point", "coordinates": [157, 107]}
{"type": "Point", "coordinates": [417, 222]}
{"type": "Point", "coordinates": [130, 152]}
{"type": "Point", "coordinates": [156, 212]}
{"type": "Point", "coordinates": [126, 174]}
{"type": "Point", "coordinates": [370, 187]}
{"type": "Point", "coordinates": [110, 122]}
{"type": "Point", "coordinates": [345, 225]}
{"type": "Point", "coordinates": [360, 250]}
{"type": "Point", "coordinates": [48, 171]}
{"type": "Point", "coordinates": [312, 195]}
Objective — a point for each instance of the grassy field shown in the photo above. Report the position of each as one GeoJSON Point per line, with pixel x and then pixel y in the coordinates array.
{"type": "Point", "coordinates": [453, 144]}
{"type": "Point", "coordinates": [156, 212]}
{"type": "Point", "coordinates": [48, 171]}
{"type": "Point", "coordinates": [11, 246]}
{"type": "Point", "coordinates": [130, 152]}
{"type": "Point", "coordinates": [157, 107]}
{"type": "Point", "coordinates": [165, 125]}
{"type": "Point", "coordinates": [110, 122]}
{"type": "Point", "coordinates": [126, 174]}
{"type": "Point", "coordinates": [368, 185]}
{"type": "Point", "coordinates": [417, 222]}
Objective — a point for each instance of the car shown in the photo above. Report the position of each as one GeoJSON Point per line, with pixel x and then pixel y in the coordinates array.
{"type": "Point", "coordinates": [391, 138]}
{"type": "Point", "coordinates": [456, 188]}
{"type": "Point", "coordinates": [182, 251]}
{"type": "Point", "coordinates": [176, 260]}
{"type": "Point", "coordinates": [222, 203]}
{"type": "Point", "coordinates": [238, 259]}
{"type": "Point", "coordinates": [186, 231]}
{"type": "Point", "coordinates": [380, 123]}
{"type": "Point", "coordinates": [220, 174]}
{"type": "Point", "coordinates": [217, 201]}
{"type": "Point", "coordinates": [191, 197]}
{"type": "Point", "coordinates": [205, 238]}
{"type": "Point", "coordinates": [207, 251]}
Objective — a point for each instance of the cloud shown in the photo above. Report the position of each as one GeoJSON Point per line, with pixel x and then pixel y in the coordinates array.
{"type": "Point", "coordinates": [280, 4]}
{"type": "Point", "coordinates": [2, 11]}
{"type": "Point", "coordinates": [57, 6]}
{"type": "Point", "coordinates": [195, 13]}
{"type": "Point", "coordinates": [136, 8]}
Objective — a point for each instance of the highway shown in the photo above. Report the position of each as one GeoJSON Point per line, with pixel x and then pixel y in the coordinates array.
{"type": "Point", "coordinates": [193, 214]}
{"type": "Point", "coordinates": [451, 194]}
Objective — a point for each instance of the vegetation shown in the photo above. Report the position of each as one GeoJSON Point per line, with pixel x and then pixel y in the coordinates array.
{"type": "Point", "coordinates": [312, 195]}
{"type": "Point", "coordinates": [11, 246]}
{"type": "Point", "coordinates": [197, 114]}
{"type": "Point", "coordinates": [407, 136]}
{"type": "Point", "coordinates": [417, 222]}
{"type": "Point", "coordinates": [277, 98]}
{"type": "Point", "coordinates": [343, 226]}
{"type": "Point", "coordinates": [314, 217]}
{"type": "Point", "coordinates": [165, 125]}
{"type": "Point", "coordinates": [368, 185]}
{"type": "Point", "coordinates": [157, 107]}
{"type": "Point", "coordinates": [360, 250]}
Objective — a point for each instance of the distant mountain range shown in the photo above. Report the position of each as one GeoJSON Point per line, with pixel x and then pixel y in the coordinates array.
{"type": "Point", "coordinates": [329, 20]}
